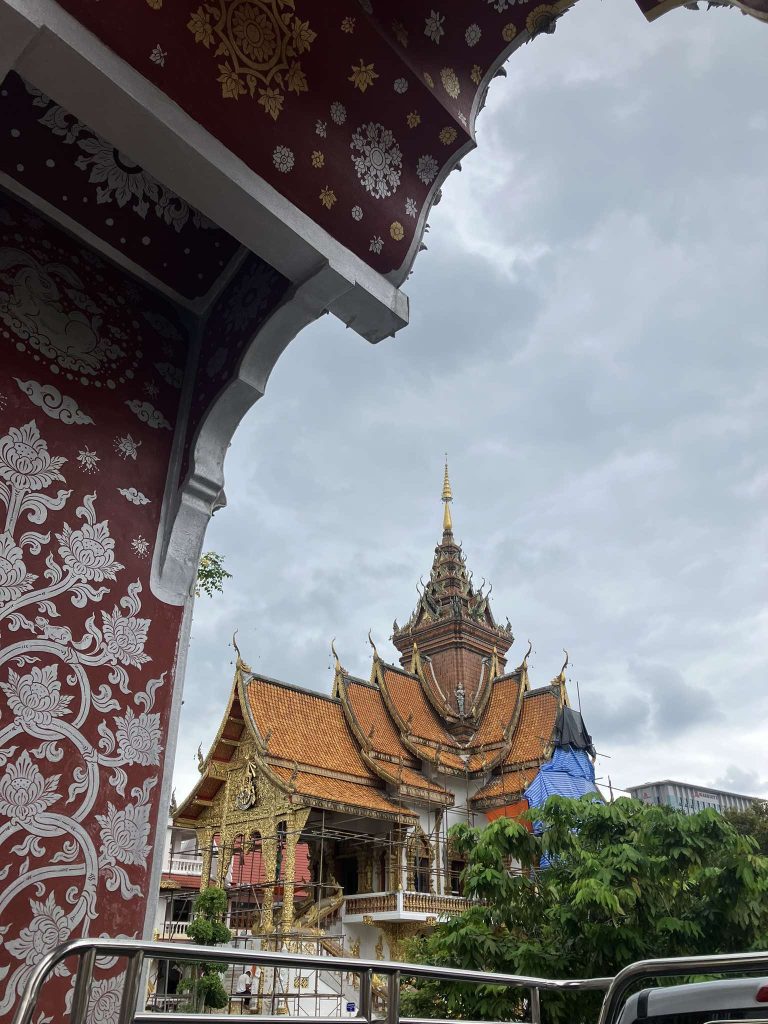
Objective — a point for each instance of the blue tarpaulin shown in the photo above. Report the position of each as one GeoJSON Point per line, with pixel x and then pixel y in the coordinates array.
{"type": "Point", "coordinates": [569, 773]}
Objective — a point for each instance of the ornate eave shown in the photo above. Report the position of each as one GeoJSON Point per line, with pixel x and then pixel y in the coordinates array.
{"type": "Point", "coordinates": [424, 792]}
{"type": "Point", "coordinates": [299, 793]}
{"type": "Point", "coordinates": [213, 767]}
{"type": "Point", "coordinates": [504, 789]}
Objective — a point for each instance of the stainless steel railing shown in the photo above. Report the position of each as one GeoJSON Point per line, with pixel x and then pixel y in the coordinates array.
{"type": "Point", "coordinates": [135, 951]}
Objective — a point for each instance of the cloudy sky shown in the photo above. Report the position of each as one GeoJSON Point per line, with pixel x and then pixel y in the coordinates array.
{"type": "Point", "coordinates": [588, 341]}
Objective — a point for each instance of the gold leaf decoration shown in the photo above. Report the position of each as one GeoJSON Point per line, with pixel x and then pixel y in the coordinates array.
{"type": "Point", "coordinates": [260, 40]}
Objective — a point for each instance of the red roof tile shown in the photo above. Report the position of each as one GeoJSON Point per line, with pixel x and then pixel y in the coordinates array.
{"type": "Point", "coordinates": [304, 727]}
{"type": "Point", "coordinates": [507, 786]}
{"type": "Point", "coordinates": [411, 704]}
{"type": "Point", "coordinates": [500, 710]}
{"type": "Point", "coordinates": [534, 728]}
{"type": "Point", "coordinates": [368, 707]}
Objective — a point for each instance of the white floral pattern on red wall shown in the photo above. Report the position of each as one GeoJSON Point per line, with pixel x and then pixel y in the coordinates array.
{"type": "Point", "coordinates": [87, 652]}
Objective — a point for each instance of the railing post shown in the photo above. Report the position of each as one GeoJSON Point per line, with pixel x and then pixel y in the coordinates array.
{"type": "Point", "coordinates": [366, 995]}
{"type": "Point", "coordinates": [535, 1006]}
{"type": "Point", "coordinates": [82, 986]}
{"type": "Point", "coordinates": [393, 998]}
{"type": "Point", "coordinates": [131, 988]}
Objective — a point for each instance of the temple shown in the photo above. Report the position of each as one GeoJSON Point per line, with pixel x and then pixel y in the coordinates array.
{"type": "Point", "coordinates": [330, 813]}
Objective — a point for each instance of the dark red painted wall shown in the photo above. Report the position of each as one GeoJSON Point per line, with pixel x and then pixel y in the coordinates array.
{"type": "Point", "coordinates": [90, 370]}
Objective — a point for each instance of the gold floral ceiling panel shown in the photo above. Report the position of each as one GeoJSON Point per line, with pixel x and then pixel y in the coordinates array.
{"type": "Point", "coordinates": [354, 110]}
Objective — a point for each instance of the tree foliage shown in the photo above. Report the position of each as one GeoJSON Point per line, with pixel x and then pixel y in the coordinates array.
{"type": "Point", "coordinates": [211, 574]}
{"type": "Point", "coordinates": [207, 928]}
{"type": "Point", "coordinates": [752, 822]}
{"type": "Point", "coordinates": [627, 881]}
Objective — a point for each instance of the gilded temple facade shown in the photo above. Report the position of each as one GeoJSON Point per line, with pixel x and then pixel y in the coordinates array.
{"type": "Point", "coordinates": [360, 787]}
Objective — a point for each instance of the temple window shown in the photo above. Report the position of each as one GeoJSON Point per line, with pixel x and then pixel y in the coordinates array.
{"type": "Point", "coordinates": [349, 875]}
{"type": "Point", "coordinates": [421, 874]}
{"type": "Point", "coordinates": [455, 867]}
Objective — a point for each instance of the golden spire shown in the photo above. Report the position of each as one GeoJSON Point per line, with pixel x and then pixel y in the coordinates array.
{"type": "Point", "coordinates": [447, 499]}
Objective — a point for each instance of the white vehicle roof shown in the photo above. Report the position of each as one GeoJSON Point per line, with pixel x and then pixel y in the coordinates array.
{"type": "Point", "coordinates": [730, 994]}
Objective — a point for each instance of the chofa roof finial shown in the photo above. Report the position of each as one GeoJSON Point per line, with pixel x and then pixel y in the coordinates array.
{"type": "Point", "coordinates": [565, 664]}
{"type": "Point", "coordinates": [335, 655]}
{"type": "Point", "coordinates": [373, 645]}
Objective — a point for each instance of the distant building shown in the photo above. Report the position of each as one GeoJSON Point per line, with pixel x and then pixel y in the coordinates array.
{"type": "Point", "coordinates": [689, 799]}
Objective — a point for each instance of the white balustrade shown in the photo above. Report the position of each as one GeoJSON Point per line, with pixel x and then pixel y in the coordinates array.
{"type": "Point", "coordinates": [185, 865]}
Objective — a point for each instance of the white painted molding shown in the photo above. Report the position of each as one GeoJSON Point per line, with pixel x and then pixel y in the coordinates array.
{"type": "Point", "coordinates": [16, 33]}
{"type": "Point", "coordinates": [186, 513]}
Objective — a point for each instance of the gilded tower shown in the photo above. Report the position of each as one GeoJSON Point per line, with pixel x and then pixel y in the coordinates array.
{"type": "Point", "coordinates": [453, 631]}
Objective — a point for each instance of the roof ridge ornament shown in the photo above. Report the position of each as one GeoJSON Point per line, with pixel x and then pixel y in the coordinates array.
{"type": "Point", "coordinates": [240, 663]}
{"type": "Point", "coordinates": [373, 645]}
{"type": "Point", "coordinates": [560, 682]}
{"type": "Point", "coordinates": [524, 662]}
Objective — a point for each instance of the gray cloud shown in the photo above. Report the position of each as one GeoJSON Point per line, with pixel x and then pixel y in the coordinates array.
{"type": "Point", "coordinates": [588, 342]}
{"type": "Point", "coordinates": [741, 780]}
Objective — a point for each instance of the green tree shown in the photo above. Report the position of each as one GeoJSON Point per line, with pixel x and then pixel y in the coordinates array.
{"type": "Point", "coordinates": [207, 928]}
{"type": "Point", "coordinates": [211, 574]}
{"type": "Point", "coordinates": [626, 881]}
{"type": "Point", "coordinates": [752, 822]}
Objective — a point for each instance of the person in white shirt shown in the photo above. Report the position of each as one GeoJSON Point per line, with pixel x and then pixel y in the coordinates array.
{"type": "Point", "coordinates": [243, 988]}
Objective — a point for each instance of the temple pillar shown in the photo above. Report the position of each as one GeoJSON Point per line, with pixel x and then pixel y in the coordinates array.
{"type": "Point", "coordinates": [91, 645]}
{"type": "Point", "coordinates": [269, 860]}
{"type": "Point", "coordinates": [226, 853]}
{"type": "Point", "coordinates": [289, 869]}
{"type": "Point", "coordinates": [397, 861]}
{"type": "Point", "coordinates": [205, 839]}
{"type": "Point", "coordinates": [111, 452]}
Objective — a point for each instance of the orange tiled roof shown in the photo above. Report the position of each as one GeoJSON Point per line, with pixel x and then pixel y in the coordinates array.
{"type": "Point", "coordinates": [507, 786]}
{"type": "Point", "coordinates": [435, 695]}
{"type": "Point", "coordinates": [369, 709]}
{"type": "Point", "coordinates": [410, 702]}
{"type": "Point", "coordinates": [534, 727]}
{"type": "Point", "coordinates": [305, 727]}
{"type": "Point", "coordinates": [448, 758]}
{"type": "Point", "coordinates": [340, 791]}
{"type": "Point", "coordinates": [410, 777]}
{"type": "Point", "coordinates": [500, 710]}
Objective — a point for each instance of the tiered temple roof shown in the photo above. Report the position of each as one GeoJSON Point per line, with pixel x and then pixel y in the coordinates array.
{"type": "Point", "coordinates": [450, 709]}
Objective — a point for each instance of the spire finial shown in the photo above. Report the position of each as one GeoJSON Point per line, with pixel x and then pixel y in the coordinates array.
{"type": "Point", "coordinates": [447, 499]}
